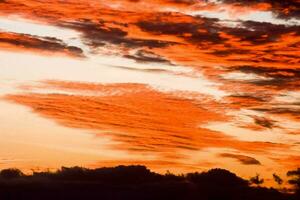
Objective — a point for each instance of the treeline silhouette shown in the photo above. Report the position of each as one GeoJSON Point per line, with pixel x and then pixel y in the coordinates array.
{"type": "Point", "coordinates": [135, 183]}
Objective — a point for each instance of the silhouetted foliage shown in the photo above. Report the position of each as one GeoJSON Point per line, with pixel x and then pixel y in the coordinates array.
{"type": "Point", "coordinates": [257, 180]}
{"type": "Point", "coordinates": [11, 173]}
{"type": "Point", "coordinates": [277, 179]}
{"type": "Point", "coordinates": [295, 180]}
{"type": "Point", "coordinates": [217, 177]}
{"type": "Point", "coordinates": [130, 182]}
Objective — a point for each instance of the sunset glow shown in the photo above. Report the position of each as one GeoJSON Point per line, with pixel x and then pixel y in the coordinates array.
{"type": "Point", "coordinates": [179, 85]}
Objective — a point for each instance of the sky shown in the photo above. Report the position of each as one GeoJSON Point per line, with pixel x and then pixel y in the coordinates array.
{"type": "Point", "coordinates": [178, 85]}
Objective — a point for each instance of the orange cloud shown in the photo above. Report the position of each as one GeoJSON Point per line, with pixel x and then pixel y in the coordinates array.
{"type": "Point", "coordinates": [289, 162]}
{"type": "Point", "coordinates": [283, 9]}
{"type": "Point", "coordinates": [188, 40]}
{"type": "Point", "coordinates": [165, 32]}
{"type": "Point", "coordinates": [23, 42]}
{"type": "Point", "coordinates": [139, 117]}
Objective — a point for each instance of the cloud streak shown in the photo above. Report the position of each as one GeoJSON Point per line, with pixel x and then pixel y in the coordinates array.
{"type": "Point", "coordinates": [246, 160]}
{"type": "Point", "coordinates": [24, 42]}
{"type": "Point", "coordinates": [250, 66]}
{"type": "Point", "coordinates": [139, 117]}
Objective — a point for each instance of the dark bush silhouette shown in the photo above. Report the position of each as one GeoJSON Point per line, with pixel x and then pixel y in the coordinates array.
{"type": "Point", "coordinates": [219, 177]}
{"type": "Point", "coordinates": [130, 182]}
{"type": "Point", "coordinates": [277, 179]}
{"type": "Point", "coordinates": [295, 180]}
{"type": "Point", "coordinates": [11, 173]}
{"type": "Point", "coordinates": [257, 180]}
{"type": "Point", "coordinates": [217, 184]}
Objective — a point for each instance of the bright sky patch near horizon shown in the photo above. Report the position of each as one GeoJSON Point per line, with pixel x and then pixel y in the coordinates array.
{"type": "Point", "coordinates": [171, 84]}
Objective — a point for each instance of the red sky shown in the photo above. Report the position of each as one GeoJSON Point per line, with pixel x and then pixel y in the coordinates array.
{"type": "Point", "coordinates": [173, 84]}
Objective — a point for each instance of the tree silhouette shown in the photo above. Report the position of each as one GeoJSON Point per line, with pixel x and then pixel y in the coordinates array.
{"type": "Point", "coordinates": [134, 183]}
{"type": "Point", "coordinates": [257, 180]}
{"type": "Point", "coordinates": [215, 177]}
{"type": "Point", "coordinates": [11, 173]}
{"type": "Point", "coordinates": [295, 180]}
{"type": "Point", "coordinates": [277, 179]}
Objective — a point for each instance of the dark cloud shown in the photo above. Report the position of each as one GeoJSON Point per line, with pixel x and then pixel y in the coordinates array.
{"type": "Point", "coordinates": [253, 97]}
{"type": "Point", "coordinates": [246, 160]}
{"type": "Point", "coordinates": [262, 32]}
{"type": "Point", "coordinates": [97, 34]}
{"type": "Point", "coordinates": [142, 70]}
{"type": "Point", "coordinates": [279, 78]}
{"type": "Point", "coordinates": [199, 30]}
{"type": "Point", "coordinates": [147, 57]}
{"type": "Point", "coordinates": [49, 44]}
{"type": "Point", "coordinates": [281, 110]}
{"type": "Point", "coordinates": [202, 30]}
{"type": "Point", "coordinates": [169, 28]}
{"type": "Point", "coordinates": [227, 52]}
{"type": "Point", "coordinates": [270, 72]}
{"type": "Point", "coordinates": [187, 2]}
{"type": "Point", "coordinates": [264, 122]}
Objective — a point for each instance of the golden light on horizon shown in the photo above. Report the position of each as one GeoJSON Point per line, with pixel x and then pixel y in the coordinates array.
{"type": "Point", "coordinates": [173, 85]}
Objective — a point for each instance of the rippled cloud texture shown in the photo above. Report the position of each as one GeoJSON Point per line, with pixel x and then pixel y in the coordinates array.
{"type": "Point", "coordinates": [183, 84]}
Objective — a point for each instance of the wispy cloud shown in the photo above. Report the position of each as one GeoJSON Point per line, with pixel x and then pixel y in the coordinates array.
{"type": "Point", "coordinates": [246, 160]}
{"type": "Point", "coordinates": [165, 76]}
